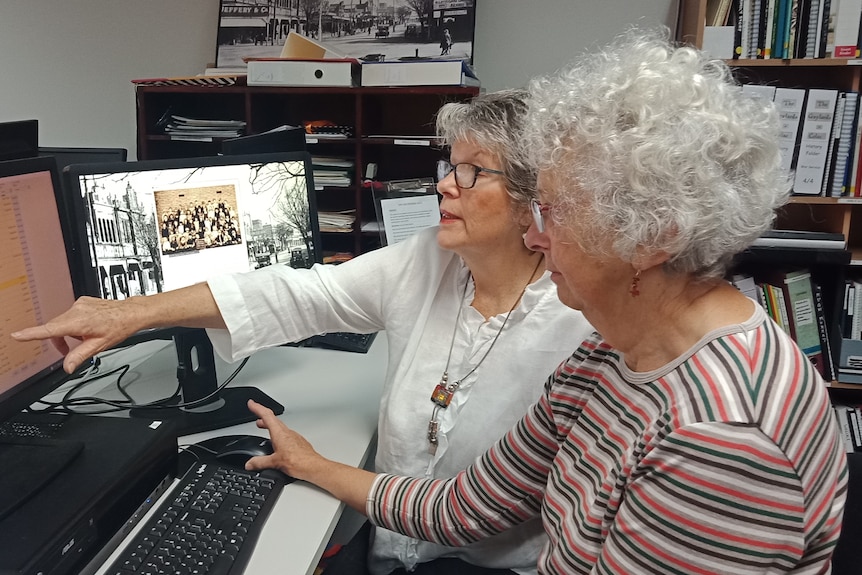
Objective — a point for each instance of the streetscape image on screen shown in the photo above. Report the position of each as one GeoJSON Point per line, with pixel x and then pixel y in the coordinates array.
{"type": "Point", "coordinates": [164, 224]}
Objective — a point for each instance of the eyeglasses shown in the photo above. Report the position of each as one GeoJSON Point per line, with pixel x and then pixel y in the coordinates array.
{"type": "Point", "coordinates": [539, 211]}
{"type": "Point", "coordinates": [465, 174]}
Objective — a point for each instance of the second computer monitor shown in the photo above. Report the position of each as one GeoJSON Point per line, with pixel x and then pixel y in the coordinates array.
{"type": "Point", "coordinates": [67, 155]}
{"type": "Point", "coordinates": [163, 224]}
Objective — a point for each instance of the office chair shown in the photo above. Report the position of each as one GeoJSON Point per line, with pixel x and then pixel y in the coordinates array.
{"type": "Point", "coordinates": [848, 553]}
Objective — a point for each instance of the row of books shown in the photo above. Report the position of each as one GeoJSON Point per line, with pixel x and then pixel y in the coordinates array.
{"type": "Point", "coordinates": [795, 302]}
{"type": "Point", "coordinates": [784, 29]}
{"type": "Point", "coordinates": [820, 138]}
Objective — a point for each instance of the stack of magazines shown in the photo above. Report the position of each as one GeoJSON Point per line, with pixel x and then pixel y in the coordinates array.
{"type": "Point", "coordinates": [201, 130]}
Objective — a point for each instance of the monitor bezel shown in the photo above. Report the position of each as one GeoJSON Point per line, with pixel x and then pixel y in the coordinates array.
{"type": "Point", "coordinates": [48, 379]}
{"type": "Point", "coordinates": [98, 155]}
{"type": "Point", "coordinates": [24, 131]}
{"type": "Point", "coordinates": [71, 177]}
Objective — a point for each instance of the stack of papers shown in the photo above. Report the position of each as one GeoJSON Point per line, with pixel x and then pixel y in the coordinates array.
{"type": "Point", "coordinates": [331, 172]}
{"type": "Point", "coordinates": [202, 130]}
{"type": "Point", "coordinates": [336, 221]}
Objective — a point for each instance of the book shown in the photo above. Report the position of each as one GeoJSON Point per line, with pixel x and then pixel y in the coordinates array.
{"type": "Point", "coordinates": [843, 420]}
{"type": "Point", "coordinates": [770, 29]}
{"type": "Point", "coordinates": [846, 33]}
{"type": "Point", "coordinates": [716, 12]}
{"type": "Point", "coordinates": [745, 283]}
{"type": "Point", "coordinates": [799, 290]}
{"type": "Point", "coordinates": [823, 28]}
{"type": "Point", "coordinates": [801, 239]}
{"type": "Point", "coordinates": [831, 149]}
{"type": "Point", "coordinates": [828, 371]}
{"type": "Point", "coordinates": [201, 80]}
{"type": "Point", "coordinates": [764, 91]}
{"type": "Point", "coordinates": [789, 103]}
{"type": "Point", "coordinates": [843, 162]}
{"type": "Point", "coordinates": [295, 72]}
{"type": "Point", "coordinates": [811, 36]}
{"type": "Point", "coordinates": [814, 142]}
{"type": "Point", "coordinates": [431, 72]}
{"type": "Point", "coordinates": [778, 305]}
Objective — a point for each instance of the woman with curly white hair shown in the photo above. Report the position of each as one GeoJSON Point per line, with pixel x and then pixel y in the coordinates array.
{"type": "Point", "coordinates": [692, 435]}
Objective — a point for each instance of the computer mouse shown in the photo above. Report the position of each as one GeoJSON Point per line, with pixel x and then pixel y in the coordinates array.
{"type": "Point", "coordinates": [235, 450]}
{"type": "Point", "coordinates": [241, 448]}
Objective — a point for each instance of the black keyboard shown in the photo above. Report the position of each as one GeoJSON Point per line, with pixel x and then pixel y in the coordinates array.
{"type": "Point", "coordinates": [343, 341]}
{"type": "Point", "coordinates": [36, 429]}
{"type": "Point", "coordinates": [209, 525]}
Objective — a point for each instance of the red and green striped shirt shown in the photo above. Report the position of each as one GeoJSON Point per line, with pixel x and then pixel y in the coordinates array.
{"type": "Point", "coordinates": [727, 460]}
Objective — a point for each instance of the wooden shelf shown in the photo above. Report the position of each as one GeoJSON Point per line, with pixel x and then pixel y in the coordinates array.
{"type": "Point", "coordinates": [403, 114]}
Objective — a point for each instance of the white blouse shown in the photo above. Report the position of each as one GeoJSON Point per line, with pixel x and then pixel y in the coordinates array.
{"type": "Point", "coordinates": [413, 290]}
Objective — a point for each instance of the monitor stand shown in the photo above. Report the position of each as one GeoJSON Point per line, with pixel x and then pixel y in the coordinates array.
{"type": "Point", "coordinates": [28, 463]}
{"type": "Point", "coordinates": [196, 373]}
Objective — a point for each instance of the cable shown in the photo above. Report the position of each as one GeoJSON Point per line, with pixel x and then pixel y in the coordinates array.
{"type": "Point", "coordinates": [68, 401]}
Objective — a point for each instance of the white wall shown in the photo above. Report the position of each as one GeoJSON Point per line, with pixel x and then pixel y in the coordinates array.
{"type": "Point", "coordinates": [69, 63]}
{"type": "Point", "coordinates": [518, 39]}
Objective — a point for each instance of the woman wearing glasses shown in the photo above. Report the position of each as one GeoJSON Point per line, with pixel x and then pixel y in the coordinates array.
{"type": "Point", "coordinates": [689, 434]}
{"type": "Point", "coordinates": [472, 320]}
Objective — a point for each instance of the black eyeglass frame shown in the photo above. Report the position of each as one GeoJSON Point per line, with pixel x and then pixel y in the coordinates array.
{"type": "Point", "coordinates": [444, 168]}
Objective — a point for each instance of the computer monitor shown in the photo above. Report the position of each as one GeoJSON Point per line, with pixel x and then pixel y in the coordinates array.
{"type": "Point", "coordinates": [19, 139]}
{"type": "Point", "coordinates": [282, 139]}
{"type": "Point", "coordinates": [159, 225]}
{"type": "Point", "coordinates": [36, 283]}
{"type": "Point", "coordinates": [36, 278]}
{"type": "Point", "coordinates": [66, 156]}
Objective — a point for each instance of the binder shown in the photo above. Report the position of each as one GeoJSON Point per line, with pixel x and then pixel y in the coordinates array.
{"type": "Point", "coordinates": [291, 72]}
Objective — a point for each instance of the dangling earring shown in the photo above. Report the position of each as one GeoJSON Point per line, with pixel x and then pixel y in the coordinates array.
{"type": "Point", "coordinates": [633, 289]}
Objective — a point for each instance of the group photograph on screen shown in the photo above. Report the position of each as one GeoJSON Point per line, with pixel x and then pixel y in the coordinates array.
{"type": "Point", "coordinates": [159, 225]}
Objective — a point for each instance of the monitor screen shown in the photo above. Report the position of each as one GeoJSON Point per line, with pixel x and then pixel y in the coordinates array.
{"type": "Point", "coordinates": [159, 225]}
{"type": "Point", "coordinates": [163, 224]}
{"type": "Point", "coordinates": [36, 280]}
{"type": "Point", "coordinates": [19, 139]}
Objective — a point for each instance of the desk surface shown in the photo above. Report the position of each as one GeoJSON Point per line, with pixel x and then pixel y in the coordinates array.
{"type": "Point", "coordinates": [331, 397]}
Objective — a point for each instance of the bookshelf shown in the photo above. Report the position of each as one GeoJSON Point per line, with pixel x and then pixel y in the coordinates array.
{"type": "Point", "coordinates": [390, 127]}
{"type": "Point", "coordinates": [813, 213]}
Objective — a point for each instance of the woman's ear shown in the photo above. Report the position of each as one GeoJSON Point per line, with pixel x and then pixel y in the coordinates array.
{"type": "Point", "coordinates": [645, 259]}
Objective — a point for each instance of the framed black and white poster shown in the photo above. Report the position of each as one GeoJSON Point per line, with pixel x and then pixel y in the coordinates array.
{"type": "Point", "coordinates": [370, 30]}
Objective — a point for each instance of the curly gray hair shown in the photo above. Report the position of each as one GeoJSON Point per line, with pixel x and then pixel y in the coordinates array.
{"type": "Point", "coordinates": [493, 121]}
{"type": "Point", "coordinates": [655, 146]}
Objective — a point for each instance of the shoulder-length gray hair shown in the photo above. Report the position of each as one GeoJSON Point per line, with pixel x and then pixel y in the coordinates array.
{"type": "Point", "coordinates": [493, 121]}
{"type": "Point", "coordinates": [663, 150]}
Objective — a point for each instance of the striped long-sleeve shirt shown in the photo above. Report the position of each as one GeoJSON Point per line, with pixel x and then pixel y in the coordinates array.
{"type": "Point", "coordinates": [727, 461]}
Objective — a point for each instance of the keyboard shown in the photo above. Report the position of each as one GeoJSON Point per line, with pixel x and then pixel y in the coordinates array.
{"type": "Point", "coordinates": [31, 425]}
{"type": "Point", "coordinates": [208, 525]}
{"type": "Point", "coordinates": [343, 341]}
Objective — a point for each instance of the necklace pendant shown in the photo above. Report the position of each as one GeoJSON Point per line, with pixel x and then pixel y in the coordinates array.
{"type": "Point", "coordinates": [442, 396]}
{"type": "Point", "coordinates": [433, 426]}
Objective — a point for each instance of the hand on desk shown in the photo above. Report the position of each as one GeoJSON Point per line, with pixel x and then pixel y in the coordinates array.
{"type": "Point", "coordinates": [295, 456]}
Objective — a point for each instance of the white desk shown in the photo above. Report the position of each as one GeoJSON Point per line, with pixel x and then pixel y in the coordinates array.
{"type": "Point", "coordinates": [331, 397]}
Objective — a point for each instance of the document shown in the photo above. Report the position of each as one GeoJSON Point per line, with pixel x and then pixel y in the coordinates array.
{"type": "Point", "coordinates": [402, 217]}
